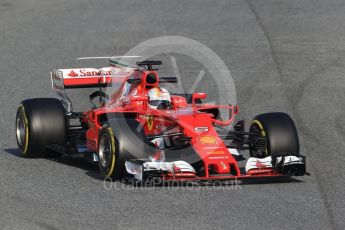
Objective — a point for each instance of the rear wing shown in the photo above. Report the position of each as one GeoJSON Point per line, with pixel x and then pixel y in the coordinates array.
{"type": "Point", "coordinates": [62, 79]}
{"type": "Point", "coordinates": [85, 78]}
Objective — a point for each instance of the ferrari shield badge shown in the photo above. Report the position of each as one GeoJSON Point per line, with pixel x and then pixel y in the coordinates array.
{"type": "Point", "coordinates": [150, 122]}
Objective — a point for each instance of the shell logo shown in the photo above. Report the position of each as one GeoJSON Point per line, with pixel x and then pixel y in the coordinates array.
{"type": "Point", "coordinates": [207, 139]}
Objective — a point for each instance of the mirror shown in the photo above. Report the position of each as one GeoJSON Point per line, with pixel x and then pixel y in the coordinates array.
{"type": "Point", "coordinates": [198, 96]}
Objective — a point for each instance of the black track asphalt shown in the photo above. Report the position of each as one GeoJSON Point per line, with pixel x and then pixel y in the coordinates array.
{"type": "Point", "coordinates": [283, 56]}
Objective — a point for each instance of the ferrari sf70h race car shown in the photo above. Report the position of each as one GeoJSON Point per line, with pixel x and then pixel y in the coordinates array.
{"type": "Point", "coordinates": [142, 132]}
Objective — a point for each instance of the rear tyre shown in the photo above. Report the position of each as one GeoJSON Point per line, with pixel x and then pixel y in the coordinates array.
{"type": "Point", "coordinates": [40, 122]}
{"type": "Point", "coordinates": [280, 132]}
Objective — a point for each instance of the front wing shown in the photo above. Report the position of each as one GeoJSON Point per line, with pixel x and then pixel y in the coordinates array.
{"type": "Point", "coordinates": [256, 168]}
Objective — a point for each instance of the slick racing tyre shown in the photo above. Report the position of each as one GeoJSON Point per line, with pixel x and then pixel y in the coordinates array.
{"type": "Point", "coordinates": [120, 139]}
{"type": "Point", "coordinates": [108, 154]}
{"type": "Point", "coordinates": [40, 122]}
{"type": "Point", "coordinates": [279, 131]}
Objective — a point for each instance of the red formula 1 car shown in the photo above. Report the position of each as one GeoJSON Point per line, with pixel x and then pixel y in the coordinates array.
{"type": "Point", "coordinates": [140, 131]}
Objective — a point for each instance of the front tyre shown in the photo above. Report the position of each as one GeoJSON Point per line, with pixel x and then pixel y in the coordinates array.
{"type": "Point", "coordinates": [121, 139]}
{"type": "Point", "coordinates": [108, 156]}
{"type": "Point", "coordinates": [279, 131]}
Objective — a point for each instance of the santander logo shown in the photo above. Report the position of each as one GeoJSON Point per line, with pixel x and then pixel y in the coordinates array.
{"type": "Point", "coordinates": [73, 74]}
{"type": "Point", "coordinates": [260, 165]}
{"type": "Point", "coordinates": [88, 73]}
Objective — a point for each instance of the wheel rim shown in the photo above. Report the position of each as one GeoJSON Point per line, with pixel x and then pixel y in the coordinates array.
{"type": "Point", "coordinates": [104, 151]}
{"type": "Point", "coordinates": [255, 128]}
{"type": "Point", "coordinates": [20, 130]}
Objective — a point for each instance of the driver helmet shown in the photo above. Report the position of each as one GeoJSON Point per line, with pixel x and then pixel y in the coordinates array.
{"type": "Point", "coordinates": [159, 98]}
